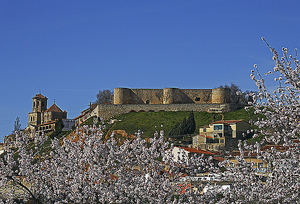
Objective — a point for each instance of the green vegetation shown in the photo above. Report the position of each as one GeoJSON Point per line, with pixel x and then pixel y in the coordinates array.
{"type": "Point", "coordinates": [240, 114]}
{"type": "Point", "coordinates": [187, 126]}
{"type": "Point", "coordinates": [252, 141]}
{"type": "Point", "coordinates": [149, 122]}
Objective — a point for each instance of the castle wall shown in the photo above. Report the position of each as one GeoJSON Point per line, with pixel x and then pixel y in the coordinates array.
{"type": "Point", "coordinates": [199, 96]}
{"type": "Point", "coordinates": [106, 111]}
{"type": "Point", "coordinates": [126, 96]}
{"type": "Point", "coordinates": [149, 96]}
{"type": "Point", "coordinates": [171, 96]}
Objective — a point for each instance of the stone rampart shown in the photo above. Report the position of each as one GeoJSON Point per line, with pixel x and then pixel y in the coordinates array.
{"type": "Point", "coordinates": [107, 111]}
{"type": "Point", "coordinates": [171, 96]}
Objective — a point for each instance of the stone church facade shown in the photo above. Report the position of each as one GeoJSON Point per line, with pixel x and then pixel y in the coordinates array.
{"type": "Point", "coordinates": [43, 119]}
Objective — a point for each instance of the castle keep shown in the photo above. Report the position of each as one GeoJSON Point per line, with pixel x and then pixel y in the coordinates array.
{"type": "Point", "coordinates": [169, 99]}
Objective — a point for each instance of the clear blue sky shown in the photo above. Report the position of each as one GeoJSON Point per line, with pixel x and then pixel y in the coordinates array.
{"type": "Point", "coordinates": [70, 49]}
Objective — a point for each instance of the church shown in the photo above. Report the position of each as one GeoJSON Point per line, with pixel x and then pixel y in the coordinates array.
{"type": "Point", "coordinates": [43, 119]}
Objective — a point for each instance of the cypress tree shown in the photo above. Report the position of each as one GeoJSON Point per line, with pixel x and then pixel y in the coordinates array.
{"type": "Point", "coordinates": [183, 128]}
{"type": "Point", "coordinates": [187, 126]}
{"type": "Point", "coordinates": [191, 124]}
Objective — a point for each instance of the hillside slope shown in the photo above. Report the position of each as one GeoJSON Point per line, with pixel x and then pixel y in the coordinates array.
{"type": "Point", "coordinates": [149, 122]}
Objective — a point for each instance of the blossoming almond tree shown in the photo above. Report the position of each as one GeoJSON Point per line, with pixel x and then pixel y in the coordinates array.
{"type": "Point", "coordinates": [279, 124]}
{"type": "Point", "coordinates": [87, 169]}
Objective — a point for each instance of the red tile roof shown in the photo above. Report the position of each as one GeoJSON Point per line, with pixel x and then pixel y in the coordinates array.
{"type": "Point", "coordinates": [220, 159]}
{"type": "Point", "coordinates": [207, 136]}
{"type": "Point", "coordinates": [246, 154]}
{"type": "Point", "coordinates": [54, 108]}
{"type": "Point", "coordinates": [227, 121]}
{"type": "Point", "coordinates": [199, 151]}
{"type": "Point", "coordinates": [277, 147]}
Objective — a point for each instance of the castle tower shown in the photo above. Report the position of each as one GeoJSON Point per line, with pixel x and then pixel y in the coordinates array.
{"type": "Point", "coordinates": [122, 96]}
{"type": "Point", "coordinates": [39, 105]}
{"type": "Point", "coordinates": [221, 95]}
{"type": "Point", "coordinates": [169, 95]}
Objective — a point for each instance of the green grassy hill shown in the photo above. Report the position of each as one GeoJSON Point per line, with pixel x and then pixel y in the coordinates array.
{"type": "Point", "coordinates": [148, 122]}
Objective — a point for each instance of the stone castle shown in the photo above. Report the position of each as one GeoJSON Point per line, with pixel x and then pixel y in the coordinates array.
{"type": "Point", "coordinates": [168, 99]}
{"type": "Point", "coordinates": [171, 96]}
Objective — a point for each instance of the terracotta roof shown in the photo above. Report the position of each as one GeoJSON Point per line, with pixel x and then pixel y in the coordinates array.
{"type": "Point", "coordinates": [39, 96]}
{"type": "Point", "coordinates": [207, 136]}
{"type": "Point", "coordinates": [54, 108]}
{"type": "Point", "coordinates": [277, 147]}
{"type": "Point", "coordinates": [193, 150]}
{"type": "Point", "coordinates": [220, 159]}
{"type": "Point", "coordinates": [227, 121]}
{"type": "Point", "coordinates": [246, 154]}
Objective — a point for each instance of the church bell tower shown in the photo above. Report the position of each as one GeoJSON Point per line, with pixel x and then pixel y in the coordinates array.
{"type": "Point", "coordinates": [39, 106]}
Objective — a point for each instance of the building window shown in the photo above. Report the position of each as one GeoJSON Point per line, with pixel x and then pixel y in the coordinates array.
{"type": "Point", "coordinates": [218, 127]}
{"type": "Point", "coordinates": [221, 140]}
{"type": "Point", "coordinates": [147, 101]}
{"type": "Point", "coordinates": [197, 99]}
